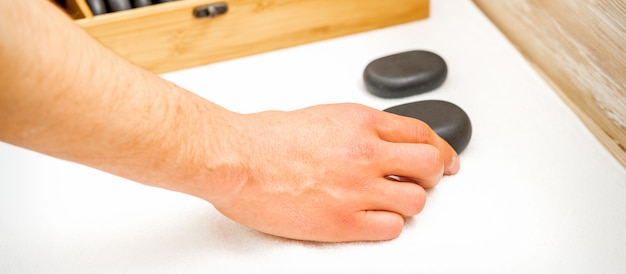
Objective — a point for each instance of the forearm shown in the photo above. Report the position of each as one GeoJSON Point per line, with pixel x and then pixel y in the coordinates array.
{"type": "Point", "coordinates": [76, 100]}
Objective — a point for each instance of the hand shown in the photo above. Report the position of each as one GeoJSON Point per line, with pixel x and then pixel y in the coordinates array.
{"type": "Point", "coordinates": [320, 173]}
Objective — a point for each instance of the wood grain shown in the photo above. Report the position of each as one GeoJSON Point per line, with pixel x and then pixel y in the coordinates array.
{"type": "Point", "coordinates": [580, 47]}
{"type": "Point", "coordinates": [168, 37]}
{"type": "Point", "coordinates": [78, 9]}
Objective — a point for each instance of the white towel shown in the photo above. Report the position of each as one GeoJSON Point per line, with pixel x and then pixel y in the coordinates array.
{"type": "Point", "coordinates": [537, 193]}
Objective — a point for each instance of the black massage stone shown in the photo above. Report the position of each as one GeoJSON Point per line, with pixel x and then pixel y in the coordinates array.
{"type": "Point", "coordinates": [141, 3]}
{"type": "Point", "coordinates": [119, 5]}
{"type": "Point", "coordinates": [448, 120]}
{"type": "Point", "coordinates": [405, 74]}
{"type": "Point", "coordinates": [97, 6]}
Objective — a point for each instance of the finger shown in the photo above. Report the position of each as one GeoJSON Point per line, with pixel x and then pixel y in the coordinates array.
{"type": "Point", "coordinates": [421, 163]}
{"type": "Point", "coordinates": [404, 198]}
{"type": "Point", "coordinates": [372, 225]}
{"type": "Point", "coordinates": [399, 129]}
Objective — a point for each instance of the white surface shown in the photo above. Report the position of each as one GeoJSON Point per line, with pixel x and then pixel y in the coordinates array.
{"type": "Point", "coordinates": [536, 192]}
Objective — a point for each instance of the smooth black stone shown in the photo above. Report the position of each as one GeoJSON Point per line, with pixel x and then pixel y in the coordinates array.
{"type": "Point", "coordinates": [405, 74]}
{"type": "Point", "coordinates": [448, 120]}
{"type": "Point", "coordinates": [119, 5]}
{"type": "Point", "coordinates": [141, 3]}
{"type": "Point", "coordinates": [97, 6]}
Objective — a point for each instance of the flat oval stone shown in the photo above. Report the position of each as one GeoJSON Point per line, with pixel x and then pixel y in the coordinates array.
{"type": "Point", "coordinates": [405, 74]}
{"type": "Point", "coordinates": [97, 6]}
{"type": "Point", "coordinates": [448, 120]}
{"type": "Point", "coordinates": [141, 3]}
{"type": "Point", "coordinates": [119, 5]}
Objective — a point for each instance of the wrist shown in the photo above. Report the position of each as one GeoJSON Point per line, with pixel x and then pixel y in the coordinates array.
{"type": "Point", "coordinates": [200, 153]}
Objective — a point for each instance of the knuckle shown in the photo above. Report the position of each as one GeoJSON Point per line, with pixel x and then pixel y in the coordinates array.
{"type": "Point", "coordinates": [361, 113]}
{"type": "Point", "coordinates": [437, 157]}
{"type": "Point", "coordinates": [366, 151]}
{"type": "Point", "coordinates": [433, 159]}
{"type": "Point", "coordinates": [347, 221]}
{"type": "Point", "coordinates": [389, 227]}
{"type": "Point", "coordinates": [416, 202]}
{"type": "Point", "coordinates": [395, 230]}
{"type": "Point", "coordinates": [432, 167]}
{"type": "Point", "coordinates": [422, 132]}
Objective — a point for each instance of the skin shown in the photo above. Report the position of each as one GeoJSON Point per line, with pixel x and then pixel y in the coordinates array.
{"type": "Point", "coordinates": [65, 95]}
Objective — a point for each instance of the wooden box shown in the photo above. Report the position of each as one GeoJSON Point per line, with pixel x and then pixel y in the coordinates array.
{"type": "Point", "coordinates": [166, 37]}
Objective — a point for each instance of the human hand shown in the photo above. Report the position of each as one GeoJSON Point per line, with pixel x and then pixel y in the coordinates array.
{"type": "Point", "coordinates": [321, 173]}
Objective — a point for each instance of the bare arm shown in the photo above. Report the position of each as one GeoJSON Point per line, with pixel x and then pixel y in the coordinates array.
{"type": "Point", "coordinates": [65, 95]}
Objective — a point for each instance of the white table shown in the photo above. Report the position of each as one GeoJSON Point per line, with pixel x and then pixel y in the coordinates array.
{"type": "Point", "coordinates": [536, 192]}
